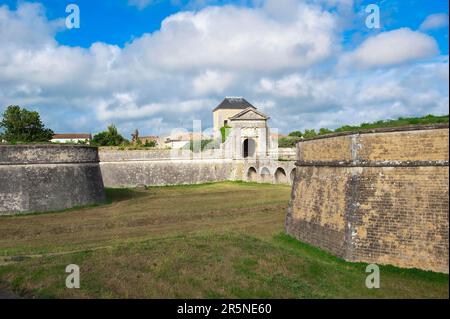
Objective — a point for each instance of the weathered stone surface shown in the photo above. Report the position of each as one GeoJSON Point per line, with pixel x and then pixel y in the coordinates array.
{"type": "Point", "coordinates": [169, 172]}
{"type": "Point", "coordinates": [384, 200]}
{"type": "Point", "coordinates": [163, 167]}
{"type": "Point", "coordinates": [44, 154]}
{"type": "Point", "coordinates": [114, 155]}
{"type": "Point", "coordinates": [37, 178]}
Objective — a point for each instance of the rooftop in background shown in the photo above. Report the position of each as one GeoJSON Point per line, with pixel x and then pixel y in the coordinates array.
{"type": "Point", "coordinates": [238, 103]}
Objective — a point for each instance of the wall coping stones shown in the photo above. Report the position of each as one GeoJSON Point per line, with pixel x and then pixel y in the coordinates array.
{"type": "Point", "coordinates": [373, 163]}
{"type": "Point", "coordinates": [25, 154]}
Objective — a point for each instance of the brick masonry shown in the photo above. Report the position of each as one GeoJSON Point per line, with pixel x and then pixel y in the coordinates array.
{"type": "Point", "coordinates": [379, 196]}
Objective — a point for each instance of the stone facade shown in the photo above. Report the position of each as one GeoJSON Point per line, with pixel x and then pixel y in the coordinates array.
{"type": "Point", "coordinates": [175, 167]}
{"type": "Point", "coordinates": [162, 173]}
{"type": "Point", "coordinates": [379, 196]}
{"type": "Point", "coordinates": [36, 178]}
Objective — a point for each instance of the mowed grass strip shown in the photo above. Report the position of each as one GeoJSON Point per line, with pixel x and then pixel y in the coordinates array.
{"type": "Point", "coordinates": [143, 214]}
{"type": "Point", "coordinates": [215, 266]}
{"type": "Point", "coordinates": [220, 240]}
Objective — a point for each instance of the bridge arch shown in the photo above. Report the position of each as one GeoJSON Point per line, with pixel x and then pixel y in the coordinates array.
{"type": "Point", "coordinates": [252, 175]}
{"type": "Point", "coordinates": [280, 176]}
{"type": "Point", "coordinates": [266, 177]}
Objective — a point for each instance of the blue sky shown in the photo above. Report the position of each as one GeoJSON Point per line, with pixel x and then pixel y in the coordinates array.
{"type": "Point", "coordinates": [118, 22]}
{"type": "Point", "coordinates": [156, 65]}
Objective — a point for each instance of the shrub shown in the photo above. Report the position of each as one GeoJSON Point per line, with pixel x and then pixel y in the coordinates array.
{"type": "Point", "coordinates": [111, 137]}
{"type": "Point", "coordinates": [225, 131]}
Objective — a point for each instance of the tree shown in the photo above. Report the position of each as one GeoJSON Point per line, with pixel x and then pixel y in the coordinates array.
{"type": "Point", "coordinates": [150, 143]}
{"type": "Point", "coordinates": [23, 126]}
{"type": "Point", "coordinates": [309, 133]}
{"type": "Point", "coordinates": [324, 131]}
{"type": "Point", "coordinates": [111, 137]}
{"type": "Point", "coordinates": [205, 144]}
{"type": "Point", "coordinates": [288, 141]}
{"type": "Point", "coordinates": [296, 134]}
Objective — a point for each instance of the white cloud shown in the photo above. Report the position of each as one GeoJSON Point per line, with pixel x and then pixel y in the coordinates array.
{"type": "Point", "coordinates": [434, 21]}
{"type": "Point", "coordinates": [212, 82]}
{"type": "Point", "coordinates": [391, 48]}
{"type": "Point", "coordinates": [283, 62]}
{"type": "Point", "coordinates": [27, 27]}
{"type": "Point", "coordinates": [324, 100]}
{"type": "Point", "coordinates": [237, 38]}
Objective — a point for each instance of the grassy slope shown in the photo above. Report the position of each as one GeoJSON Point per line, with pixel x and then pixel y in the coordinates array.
{"type": "Point", "coordinates": [289, 141]}
{"type": "Point", "coordinates": [402, 121]}
{"type": "Point", "coordinates": [215, 240]}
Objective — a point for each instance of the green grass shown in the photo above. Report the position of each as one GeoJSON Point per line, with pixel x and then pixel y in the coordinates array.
{"type": "Point", "coordinates": [290, 141]}
{"type": "Point", "coordinates": [402, 121]}
{"type": "Point", "coordinates": [223, 240]}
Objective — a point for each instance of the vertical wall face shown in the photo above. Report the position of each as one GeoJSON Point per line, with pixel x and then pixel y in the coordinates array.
{"type": "Point", "coordinates": [317, 209]}
{"type": "Point", "coordinates": [219, 116]}
{"type": "Point", "coordinates": [134, 173]}
{"type": "Point", "coordinates": [402, 217]}
{"type": "Point", "coordinates": [379, 197]}
{"type": "Point", "coordinates": [165, 167]}
{"type": "Point", "coordinates": [37, 178]}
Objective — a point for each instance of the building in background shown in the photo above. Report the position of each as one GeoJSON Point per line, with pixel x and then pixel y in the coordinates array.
{"type": "Point", "coordinates": [228, 108]}
{"type": "Point", "coordinates": [72, 138]}
{"type": "Point", "coordinates": [182, 139]}
{"type": "Point", "coordinates": [249, 133]}
{"type": "Point", "coordinates": [149, 139]}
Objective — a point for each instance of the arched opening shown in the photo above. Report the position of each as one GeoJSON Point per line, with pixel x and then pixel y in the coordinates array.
{"type": "Point", "coordinates": [280, 176]}
{"type": "Point", "coordinates": [265, 175]}
{"type": "Point", "coordinates": [249, 148]}
{"type": "Point", "coordinates": [293, 175]}
{"type": "Point", "coordinates": [252, 175]}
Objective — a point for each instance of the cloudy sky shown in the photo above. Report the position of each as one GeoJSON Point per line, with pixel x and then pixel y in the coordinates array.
{"type": "Point", "coordinates": [158, 64]}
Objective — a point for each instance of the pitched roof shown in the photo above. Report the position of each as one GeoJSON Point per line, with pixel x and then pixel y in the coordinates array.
{"type": "Point", "coordinates": [238, 103]}
{"type": "Point", "coordinates": [254, 111]}
{"type": "Point", "coordinates": [72, 136]}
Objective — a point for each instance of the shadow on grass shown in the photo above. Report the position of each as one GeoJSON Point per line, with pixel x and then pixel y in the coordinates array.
{"type": "Point", "coordinates": [113, 195]}
{"type": "Point", "coordinates": [212, 184]}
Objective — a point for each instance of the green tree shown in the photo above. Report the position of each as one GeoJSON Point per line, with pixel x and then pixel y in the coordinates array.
{"type": "Point", "coordinates": [110, 137]}
{"type": "Point", "coordinates": [23, 126]}
{"type": "Point", "coordinates": [288, 141]}
{"type": "Point", "coordinates": [150, 143]}
{"type": "Point", "coordinates": [296, 134]}
{"type": "Point", "coordinates": [309, 133]}
{"type": "Point", "coordinates": [324, 131]}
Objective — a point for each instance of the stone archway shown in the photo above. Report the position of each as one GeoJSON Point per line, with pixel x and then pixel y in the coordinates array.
{"type": "Point", "coordinates": [249, 147]}
{"type": "Point", "coordinates": [280, 176]}
{"type": "Point", "coordinates": [252, 175]}
{"type": "Point", "coordinates": [266, 177]}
